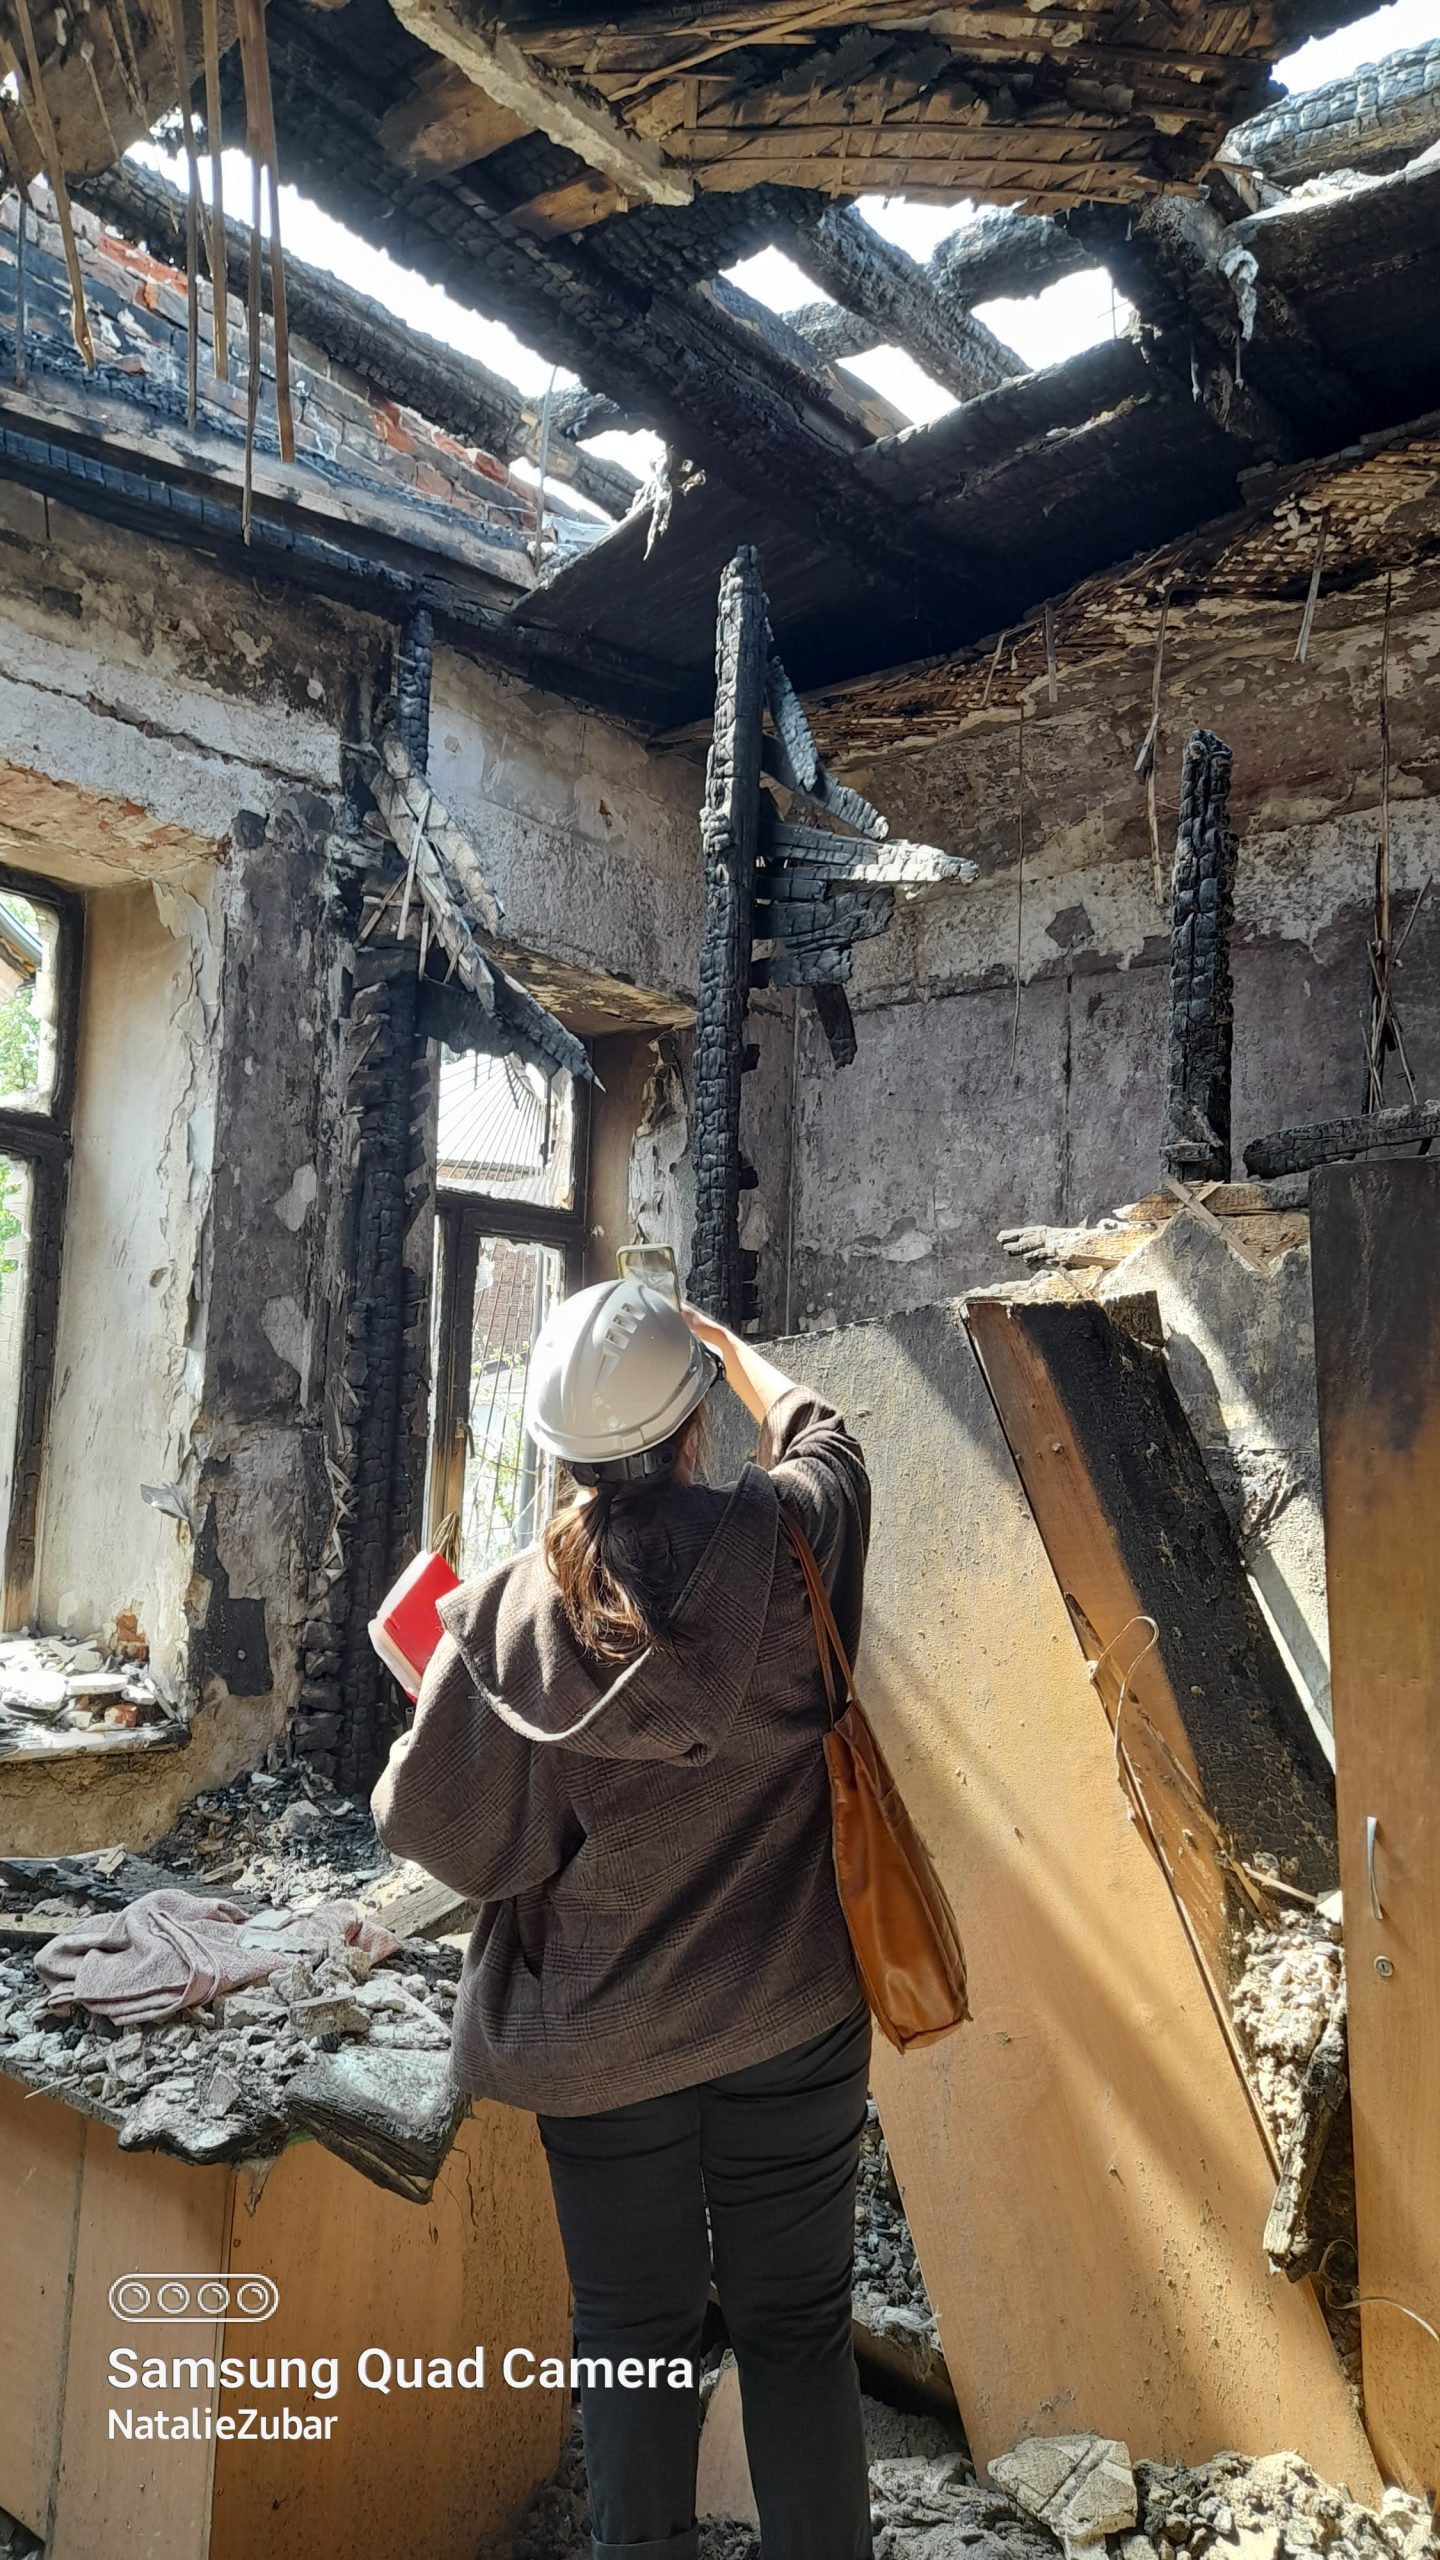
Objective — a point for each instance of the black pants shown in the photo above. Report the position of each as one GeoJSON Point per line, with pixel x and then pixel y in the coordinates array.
{"type": "Point", "coordinates": [772, 2151]}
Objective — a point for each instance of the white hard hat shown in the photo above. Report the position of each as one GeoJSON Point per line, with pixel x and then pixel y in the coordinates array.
{"type": "Point", "coordinates": [615, 1371]}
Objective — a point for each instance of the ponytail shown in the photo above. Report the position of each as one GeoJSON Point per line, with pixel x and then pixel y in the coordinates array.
{"type": "Point", "coordinates": [613, 1605]}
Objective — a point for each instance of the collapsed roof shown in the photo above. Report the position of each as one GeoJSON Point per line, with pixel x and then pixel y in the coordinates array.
{"type": "Point", "coordinates": [1273, 328]}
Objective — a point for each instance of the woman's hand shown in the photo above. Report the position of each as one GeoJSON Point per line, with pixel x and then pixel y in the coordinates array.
{"type": "Point", "coordinates": [756, 1381]}
{"type": "Point", "coordinates": [716, 1337]}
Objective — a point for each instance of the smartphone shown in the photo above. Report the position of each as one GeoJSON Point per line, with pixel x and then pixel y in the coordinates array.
{"type": "Point", "coordinates": [654, 1265]}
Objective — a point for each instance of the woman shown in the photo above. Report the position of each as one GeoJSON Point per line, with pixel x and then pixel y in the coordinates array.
{"type": "Point", "coordinates": [618, 1750]}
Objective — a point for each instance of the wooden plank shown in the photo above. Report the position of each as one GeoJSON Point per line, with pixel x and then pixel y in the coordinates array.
{"type": "Point", "coordinates": [427, 2471]}
{"type": "Point", "coordinates": [1082, 2174]}
{"type": "Point", "coordinates": [1399, 1124]}
{"type": "Point", "coordinates": [1217, 1753]}
{"type": "Point", "coordinates": [41, 2147]}
{"type": "Point", "coordinates": [1375, 1233]}
{"type": "Point", "coordinates": [481, 49]}
{"type": "Point", "coordinates": [139, 2212]}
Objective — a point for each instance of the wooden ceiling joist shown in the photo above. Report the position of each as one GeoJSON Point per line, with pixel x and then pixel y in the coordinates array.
{"type": "Point", "coordinates": [1387, 113]}
{"type": "Point", "coordinates": [446, 123]}
{"type": "Point", "coordinates": [869, 275]}
{"type": "Point", "coordinates": [725, 400]}
{"type": "Point", "coordinates": [481, 49]}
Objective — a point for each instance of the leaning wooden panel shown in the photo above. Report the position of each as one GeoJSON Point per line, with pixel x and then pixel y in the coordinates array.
{"type": "Point", "coordinates": [41, 2148]}
{"type": "Point", "coordinates": [1219, 1758]}
{"type": "Point", "coordinates": [1082, 2173]}
{"type": "Point", "coordinates": [139, 2213]}
{"type": "Point", "coordinates": [1375, 1241]}
{"type": "Point", "coordinates": [427, 2470]}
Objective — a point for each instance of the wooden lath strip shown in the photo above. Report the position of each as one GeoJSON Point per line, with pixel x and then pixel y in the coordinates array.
{"type": "Point", "coordinates": [37, 109]}
{"type": "Point", "coordinates": [219, 281]}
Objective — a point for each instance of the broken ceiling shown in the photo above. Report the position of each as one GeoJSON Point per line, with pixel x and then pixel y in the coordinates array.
{"type": "Point", "coordinates": [1274, 331]}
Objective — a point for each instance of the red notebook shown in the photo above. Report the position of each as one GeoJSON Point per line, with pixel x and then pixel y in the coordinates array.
{"type": "Point", "coordinates": [406, 1627]}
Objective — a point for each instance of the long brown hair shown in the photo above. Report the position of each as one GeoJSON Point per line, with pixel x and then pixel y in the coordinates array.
{"type": "Point", "coordinates": [615, 1588]}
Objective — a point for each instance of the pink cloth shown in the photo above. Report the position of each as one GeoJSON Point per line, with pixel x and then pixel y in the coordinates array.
{"type": "Point", "coordinates": [167, 1952]}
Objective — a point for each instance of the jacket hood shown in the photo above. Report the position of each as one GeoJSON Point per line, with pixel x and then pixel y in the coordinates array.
{"type": "Point", "coordinates": [670, 1703]}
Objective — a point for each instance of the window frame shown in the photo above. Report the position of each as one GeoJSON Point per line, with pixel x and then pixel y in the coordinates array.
{"type": "Point", "coordinates": [44, 1140]}
{"type": "Point", "coordinates": [463, 1220]}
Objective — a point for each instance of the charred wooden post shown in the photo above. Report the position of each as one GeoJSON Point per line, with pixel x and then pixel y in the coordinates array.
{"type": "Point", "coordinates": [729, 829]}
{"type": "Point", "coordinates": [1196, 1142]}
{"type": "Point", "coordinates": [414, 659]}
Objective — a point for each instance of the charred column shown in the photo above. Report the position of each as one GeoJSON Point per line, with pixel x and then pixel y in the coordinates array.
{"type": "Point", "coordinates": [414, 657]}
{"type": "Point", "coordinates": [729, 827]}
{"type": "Point", "coordinates": [1195, 1145]}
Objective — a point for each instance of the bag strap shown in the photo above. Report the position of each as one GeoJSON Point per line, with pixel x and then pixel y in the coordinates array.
{"type": "Point", "coordinates": [828, 1641]}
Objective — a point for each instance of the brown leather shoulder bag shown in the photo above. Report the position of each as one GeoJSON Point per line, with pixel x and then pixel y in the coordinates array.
{"type": "Point", "coordinates": [907, 1947]}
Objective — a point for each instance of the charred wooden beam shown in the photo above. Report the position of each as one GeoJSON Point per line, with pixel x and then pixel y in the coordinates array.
{"type": "Point", "coordinates": [853, 398]}
{"type": "Point", "coordinates": [1385, 114]}
{"type": "Point", "coordinates": [452, 391]}
{"type": "Point", "coordinates": [1212, 1746]}
{"type": "Point", "coordinates": [1195, 1145]}
{"type": "Point", "coordinates": [1218, 327]}
{"type": "Point", "coordinates": [930, 461]}
{"type": "Point", "coordinates": [832, 332]}
{"type": "Point", "coordinates": [569, 115]}
{"type": "Point", "coordinates": [866, 273]}
{"type": "Point", "coordinates": [610, 310]}
{"type": "Point", "coordinates": [1001, 254]}
{"type": "Point", "coordinates": [414, 662]}
{"type": "Point", "coordinates": [1401, 1124]}
{"type": "Point", "coordinates": [729, 826]}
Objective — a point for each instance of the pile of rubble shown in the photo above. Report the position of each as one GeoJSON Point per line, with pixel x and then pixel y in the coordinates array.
{"type": "Point", "coordinates": [890, 2297]}
{"type": "Point", "coordinates": [337, 2040]}
{"type": "Point", "coordinates": [1289, 1987]}
{"type": "Point", "coordinates": [62, 1694]}
{"type": "Point", "coordinates": [1079, 2496]}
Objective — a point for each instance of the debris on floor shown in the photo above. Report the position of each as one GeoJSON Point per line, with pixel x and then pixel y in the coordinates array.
{"type": "Point", "coordinates": [896, 2327]}
{"type": "Point", "coordinates": [1082, 2487]}
{"type": "Point", "coordinates": [62, 1694]}
{"type": "Point", "coordinates": [233, 2077]}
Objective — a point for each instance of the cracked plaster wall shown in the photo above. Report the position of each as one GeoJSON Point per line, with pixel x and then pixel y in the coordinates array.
{"type": "Point", "coordinates": [942, 1132]}
{"type": "Point", "coordinates": [591, 843]}
{"type": "Point", "coordinates": [157, 719]}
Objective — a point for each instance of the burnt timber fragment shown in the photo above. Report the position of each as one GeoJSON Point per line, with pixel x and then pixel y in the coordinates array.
{"type": "Point", "coordinates": [729, 829]}
{"type": "Point", "coordinates": [1195, 1146]}
{"type": "Point", "coordinates": [1399, 1124]}
{"type": "Point", "coordinates": [1215, 1752]}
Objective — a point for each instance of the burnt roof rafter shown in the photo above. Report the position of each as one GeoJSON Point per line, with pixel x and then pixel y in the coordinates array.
{"type": "Point", "coordinates": [451, 391]}
{"type": "Point", "coordinates": [719, 393]}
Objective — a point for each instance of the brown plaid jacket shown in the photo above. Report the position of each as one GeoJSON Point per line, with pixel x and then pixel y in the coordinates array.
{"type": "Point", "coordinates": [653, 1850]}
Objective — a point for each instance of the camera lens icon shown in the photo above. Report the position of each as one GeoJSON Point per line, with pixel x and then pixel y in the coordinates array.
{"type": "Point", "coordinates": [203, 2297]}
